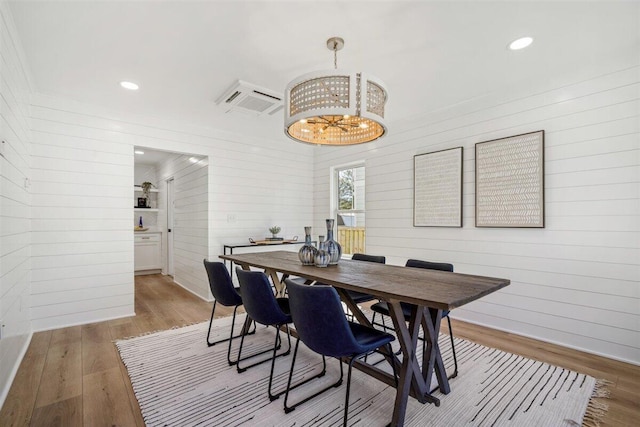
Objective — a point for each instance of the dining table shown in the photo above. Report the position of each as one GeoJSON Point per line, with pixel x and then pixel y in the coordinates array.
{"type": "Point", "coordinates": [428, 293]}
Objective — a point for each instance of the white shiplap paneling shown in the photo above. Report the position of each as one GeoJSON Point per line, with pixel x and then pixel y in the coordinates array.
{"type": "Point", "coordinates": [576, 282]}
{"type": "Point", "coordinates": [190, 224]}
{"type": "Point", "coordinates": [71, 214]}
{"type": "Point", "coordinates": [83, 178]}
{"type": "Point", "coordinates": [15, 199]}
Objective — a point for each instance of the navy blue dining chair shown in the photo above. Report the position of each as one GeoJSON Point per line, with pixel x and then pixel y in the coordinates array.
{"type": "Point", "coordinates": [383, 308]}
{"type": "Point", "coordinates": [224, 293]}
{"type": "Point", "coordinates": [322, 326]}
{"type": "Point", "coordinates": [264, 308]}
{"type": "Point", "coordinates": [361, 297]}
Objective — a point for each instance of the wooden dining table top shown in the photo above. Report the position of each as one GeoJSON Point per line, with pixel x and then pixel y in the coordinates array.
{"type": "Point", "coordinates": [430, 288]}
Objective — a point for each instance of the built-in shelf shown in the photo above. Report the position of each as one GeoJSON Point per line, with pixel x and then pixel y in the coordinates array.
{"type": "Point", "coordinates": [137, 188]}
{"type": "Point", "coordinates": [151, 201]}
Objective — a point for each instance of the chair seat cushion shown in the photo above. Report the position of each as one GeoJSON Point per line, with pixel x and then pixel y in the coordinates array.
{"type": "Point", "coordinates": [383, 308]}
{"type": "Point", "coordinates": [368, 338]}
{"type": "Point", "coordinates": [359, 297]}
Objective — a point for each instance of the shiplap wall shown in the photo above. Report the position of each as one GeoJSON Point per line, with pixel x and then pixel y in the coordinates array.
{"type": "Point", "coordinates": [82, 234]}
{"type": "Point", "coordinates": [190, 222]}
{"type": "Point", "coordinates": [15, 199]}
{"type": "Point", "coordinates": [576, 282]}
{"type": "Point", "coordinates": [83, 171]}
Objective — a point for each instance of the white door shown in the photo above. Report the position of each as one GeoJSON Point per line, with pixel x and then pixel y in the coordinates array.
{"type": "Point", "coordinates": [170, 207]}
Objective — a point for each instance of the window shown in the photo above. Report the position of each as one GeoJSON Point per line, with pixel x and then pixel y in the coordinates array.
{"type": "Point", "coordinates": [350, 208]}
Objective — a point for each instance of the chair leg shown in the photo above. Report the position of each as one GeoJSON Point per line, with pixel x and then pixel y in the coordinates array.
{"type": "Point", "coordinates": [209, 343]}
{"type": "Point", "coordinates": [373, 324]}
{"type": "Point", "coordinates": [351, 362]}
{"type": "Point", "coordinates": [346, 399]}
{"type": "Point", "coordinates": [240, 348]}
{"type": "Point", "coordinates": [241, 359]}
{"type": "Point", "coordinates": [273, 396]}
{"type": "Point", "coordinates": [231, 336]}
{"type": "Point", "coordinates": [385, 328]}
{"type": "Point", "coordinates": [350, 315]}
{"type": "Point", "coordinates": [384, 324]}
{"type": "Point", "coordinates": [287, 408]}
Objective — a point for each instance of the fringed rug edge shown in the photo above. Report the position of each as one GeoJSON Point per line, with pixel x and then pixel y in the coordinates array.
{"type": "Point", "coordinates": [596, 409]}
{"type": "Point", "coordinates": [144, 334]}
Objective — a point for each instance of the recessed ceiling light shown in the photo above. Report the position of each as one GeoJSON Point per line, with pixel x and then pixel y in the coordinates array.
{"type": "Point", "coordinates": [521, 43]}
{"type": "Point", "coordinates": [129, 85]}
{"type": "Point", "coordinates": [139, 152]}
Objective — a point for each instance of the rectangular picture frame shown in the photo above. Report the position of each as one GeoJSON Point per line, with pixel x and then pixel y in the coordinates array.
{"type": "Point", "coordinates": [437, 188]}
{"type": "Point", "coordinates": [509, 182]}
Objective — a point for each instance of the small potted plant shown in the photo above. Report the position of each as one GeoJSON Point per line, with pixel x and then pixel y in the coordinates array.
{"type": "Point", "coordinates": [274, 232]}
{"type": "Point", "coordinates": [146, 188]}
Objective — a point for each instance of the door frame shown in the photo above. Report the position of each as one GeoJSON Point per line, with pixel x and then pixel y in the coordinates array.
{"type": "Point", "coordinates": [170, 224]}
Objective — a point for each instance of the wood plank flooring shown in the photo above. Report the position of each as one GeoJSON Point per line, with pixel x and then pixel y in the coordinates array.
{"type": "Point", "coordinates": [74, 376]}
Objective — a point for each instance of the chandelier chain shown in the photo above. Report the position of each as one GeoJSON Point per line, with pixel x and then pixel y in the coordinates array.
{"type": "Point", "coordinates": [335, 55]}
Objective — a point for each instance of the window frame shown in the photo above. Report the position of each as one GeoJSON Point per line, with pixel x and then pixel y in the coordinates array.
{"type": "Point", "coordinates": [335, 193]}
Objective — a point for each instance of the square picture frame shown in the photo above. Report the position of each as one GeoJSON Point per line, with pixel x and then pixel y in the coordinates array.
{"type": "Point", "coordinates": [437, 188]}
{"type": "Point", "coordinates": [510, 182]}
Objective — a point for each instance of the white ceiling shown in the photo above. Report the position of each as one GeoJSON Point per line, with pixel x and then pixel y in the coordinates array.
{"type": "Point", "coordinates": [152, 157]}
{"type": "Point", "coordinates": [184, 54]}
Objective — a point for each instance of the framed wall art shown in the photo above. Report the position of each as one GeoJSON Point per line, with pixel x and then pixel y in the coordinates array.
{"type": "Point", "coordinates": [510, 181]}
{"type": "Point", "coordinates": [437, 188]}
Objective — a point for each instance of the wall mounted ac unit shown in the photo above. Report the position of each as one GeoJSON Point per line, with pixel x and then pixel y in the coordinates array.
{"type": "Point", "coordinates": [248, 98]}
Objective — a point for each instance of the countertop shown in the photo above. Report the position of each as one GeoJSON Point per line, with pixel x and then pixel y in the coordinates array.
{"type": "Point", "coordinates": [149, 231]}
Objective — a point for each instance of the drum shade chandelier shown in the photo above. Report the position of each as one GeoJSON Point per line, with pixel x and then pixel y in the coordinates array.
{"type": "Point", "coordinates": [335, 107]}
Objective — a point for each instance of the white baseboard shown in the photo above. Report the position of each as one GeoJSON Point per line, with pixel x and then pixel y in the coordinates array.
{"type": "Point", "coordinates": [189, 290]}
{"type": "Point", "coordinates": [104, 319]}
{"type": "Point", "coordinates": [14, 371]}
{"type": "Point", "coordinates": [561, 344]}
{"type": "Point", "coordinates": [147, 272]}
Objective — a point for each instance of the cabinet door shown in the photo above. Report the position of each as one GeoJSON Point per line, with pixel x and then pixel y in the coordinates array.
{"type": "Point", "coordinates": [147, 253]}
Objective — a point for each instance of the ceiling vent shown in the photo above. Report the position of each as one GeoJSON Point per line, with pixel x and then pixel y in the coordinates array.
{"type": "Point", "coordinates": [248, 98]}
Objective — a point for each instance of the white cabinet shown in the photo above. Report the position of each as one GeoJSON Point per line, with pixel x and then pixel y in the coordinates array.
{"type": "Point", "coordinates": [147, 251]}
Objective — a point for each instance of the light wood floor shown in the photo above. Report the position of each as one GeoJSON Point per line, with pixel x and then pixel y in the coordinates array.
{"type": "Point", "coordinates": [74, 376]}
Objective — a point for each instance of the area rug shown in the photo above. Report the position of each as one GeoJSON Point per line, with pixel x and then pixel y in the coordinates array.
{"type": "Point", "coordinates": [179, 381]}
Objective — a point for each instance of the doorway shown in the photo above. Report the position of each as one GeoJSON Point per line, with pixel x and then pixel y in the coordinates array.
{"type": "Point", "coordinates": [177, 216]}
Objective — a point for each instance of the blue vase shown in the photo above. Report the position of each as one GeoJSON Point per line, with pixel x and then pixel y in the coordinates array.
{"type": "Point", "coordinates": [321, 258]}
{"type": "Point", "coordinates": [307, 252]}
{"type": "Point", "coordinates": [332, 246]}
